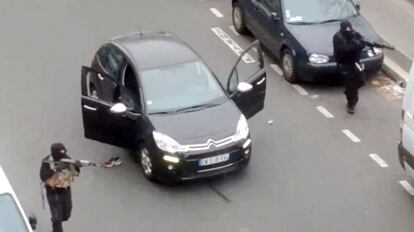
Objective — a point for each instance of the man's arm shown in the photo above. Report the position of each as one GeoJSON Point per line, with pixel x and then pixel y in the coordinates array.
{"type": "Point", "coordinates": [45, 171]}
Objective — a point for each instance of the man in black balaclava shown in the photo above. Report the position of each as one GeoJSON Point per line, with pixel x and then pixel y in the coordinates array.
{"type": "Point", "coordinates": [348, 46]}
{"type": "Point", "coordinates": [57, 178]}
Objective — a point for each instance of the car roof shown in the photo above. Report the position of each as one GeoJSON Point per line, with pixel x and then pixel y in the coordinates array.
{"type": "Point", "coordinates": [5, 186]}
{"type": "Point", "coordinates": [148, 50]}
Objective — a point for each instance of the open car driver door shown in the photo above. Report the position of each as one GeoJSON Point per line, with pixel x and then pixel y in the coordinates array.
{"type": "Point", "coordinates": [104, 120]}
{"type": "Point", "coordinates": [247, 81]}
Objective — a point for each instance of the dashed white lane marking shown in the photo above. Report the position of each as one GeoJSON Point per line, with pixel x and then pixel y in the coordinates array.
{"type": "Point", "coordinates": [232, 45]}
{"type": "Point", "coordinates": [233, 30]}
{"type": "Point", "coordinates": [324, 112]}
{"type": "Point", "coordinates": [379, 160]}
{"type": "Point", "coordinates": [351, 136]}
{"type": "Point", "coordinates": [300, 90]}
{"type": "Point", "coordinates": [276, 69]}
{"type": "Point", "coordinates": [407, 186]}
{"type": "Point", "coordinates": [216, 12]}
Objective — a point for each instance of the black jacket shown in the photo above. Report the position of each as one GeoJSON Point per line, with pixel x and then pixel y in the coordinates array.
{"type": "Point", "coordinates": [347, 51]}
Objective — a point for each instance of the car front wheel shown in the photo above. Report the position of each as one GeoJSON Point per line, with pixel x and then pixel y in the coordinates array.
{"type": "Point", "coordinates": [146, 163]}
{"type": "Point", "coordinates": [288, 66]}
{"type": "Point", "coordinates": [239, 22]}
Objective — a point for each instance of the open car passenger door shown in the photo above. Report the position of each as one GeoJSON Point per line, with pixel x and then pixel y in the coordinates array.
{"type": "Point", "coordinates": [108, 121]}
{"type": "Point", "coordinates": [247, 82]}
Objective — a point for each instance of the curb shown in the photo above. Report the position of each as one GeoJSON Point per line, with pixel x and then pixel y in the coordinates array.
{"type": "Point", "coordinates": [394, 71]}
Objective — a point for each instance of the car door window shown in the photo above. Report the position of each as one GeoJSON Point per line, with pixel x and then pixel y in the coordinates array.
{"type": "Point", "coordinates": [248, 65]}
{"type": "Point", "coordinates": [271, 5]}
{"type": "Point", "coordinates": [111, 60]}
{"type": "Point", "coordinates": [119, 92]}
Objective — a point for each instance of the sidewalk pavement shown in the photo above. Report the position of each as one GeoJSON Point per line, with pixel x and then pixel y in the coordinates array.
{"type": "Point", "coordinates": [394, 21]}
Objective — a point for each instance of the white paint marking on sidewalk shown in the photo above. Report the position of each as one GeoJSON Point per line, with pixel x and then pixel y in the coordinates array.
{"type": "Point", "coordinates": [407, 186]}
{"type": "Point", "coordinates": [351, 136]}
{"type": "Point", "coordinates": [300, 90]}
{"type": "Point", "coordinates": [216, 12]}
{"type": "Point", "coordinates": [232, 45]}
{"type": "Point", "coordinates": [276, 69]}
{"type": "Point", "coordinates": [233, 30]}
{"type": "Point", "coordinates": [379, 160]}
{"type": "Point", "coordinates": [325, 112]}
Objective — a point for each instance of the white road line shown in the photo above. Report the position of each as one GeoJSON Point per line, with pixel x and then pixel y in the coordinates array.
{"type": "Point", "coordinates": [216, 12]}
{"type": "Point", "coordinates": [232, 45]}
{"type": "Point", "coordinates": [407, 186]}
{"type": "Point", "coordinates": [233, 30]}
{"type": "Point", "coordinates": [276, 69]}
{"type": "Point", "coordinates": [379, 160]}
{"type": "Point", "coordinates": [351, 136]}
{"type": "Point", "coordinates": [325, 112]}
{"type": "Point", "coordinates": [300, 90]}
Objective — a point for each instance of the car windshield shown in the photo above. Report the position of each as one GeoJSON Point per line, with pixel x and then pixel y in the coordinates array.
{"type": "Point", "coordinates": [317, 11]}
{"type": "Point", "coordinates": [180, 86]}
{"type": "Point", "coordinates": [10, 216]}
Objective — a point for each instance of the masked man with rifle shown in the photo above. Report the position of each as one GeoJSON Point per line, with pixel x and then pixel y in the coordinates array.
{"type": "Point", "coordinates": [57, 178]}
{"type": "Point", "coordinates": [348, 45]}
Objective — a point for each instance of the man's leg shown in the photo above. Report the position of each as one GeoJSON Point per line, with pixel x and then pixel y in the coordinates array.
{"type": "Point", "coordinates": [56, 211]}
{"type": "Point", "coordinates": [67, 205]}
{"type": "Point", "coordinates": [57, 226]}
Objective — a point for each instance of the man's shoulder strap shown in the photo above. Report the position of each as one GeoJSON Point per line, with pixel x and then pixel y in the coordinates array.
{"type": "Point", "coordinates": [49, 159]}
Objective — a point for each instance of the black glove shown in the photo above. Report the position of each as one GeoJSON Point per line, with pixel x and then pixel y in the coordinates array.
{"type": "Point", "coordinates": [78, 164]}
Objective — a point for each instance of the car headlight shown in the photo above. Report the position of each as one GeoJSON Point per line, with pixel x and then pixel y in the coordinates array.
{"type": "Point", "coordinates": [370, 53]}
{"type": "Point", "coordinates": [167, 144]}
{"type": "Point", "coordinates": [378, 51]}
{"type": "Point", "coordinates": [318, 59]}
{"type": "Point", "coordinates": [242, 131]}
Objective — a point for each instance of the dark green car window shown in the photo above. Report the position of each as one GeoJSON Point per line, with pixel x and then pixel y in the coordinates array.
{"type": "Point", "coordinates": [111, 60]}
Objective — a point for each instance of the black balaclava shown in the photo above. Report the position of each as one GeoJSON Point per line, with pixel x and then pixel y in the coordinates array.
{"type": "Point", "coordinates": [346, 29]}
{"type": "Point", "coordinates": [58, 151]}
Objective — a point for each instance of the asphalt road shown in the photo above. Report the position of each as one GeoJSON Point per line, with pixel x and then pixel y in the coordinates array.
{"type": "Point", "coordinates": [305, 175]}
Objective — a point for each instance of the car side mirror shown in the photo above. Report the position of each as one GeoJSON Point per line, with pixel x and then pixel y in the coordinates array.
{"type": "Point", "coordinates": [244, 87]}
{"type": "Point", "coordinates": [358, 6]}
{"type": "Point", "coordinates": [118, 108]}
{"type": "Point", "coordinates": [274, 16]}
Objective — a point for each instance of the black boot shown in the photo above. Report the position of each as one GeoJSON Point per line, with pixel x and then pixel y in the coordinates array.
{"type": "Point", "coordinates": [351, 109]}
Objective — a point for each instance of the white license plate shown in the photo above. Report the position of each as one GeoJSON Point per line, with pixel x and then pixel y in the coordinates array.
{"type": "Point", "coordinates": [214, 160]}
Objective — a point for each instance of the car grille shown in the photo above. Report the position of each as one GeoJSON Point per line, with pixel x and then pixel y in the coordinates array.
{"type": "Point", "coordinates": [210, 143]}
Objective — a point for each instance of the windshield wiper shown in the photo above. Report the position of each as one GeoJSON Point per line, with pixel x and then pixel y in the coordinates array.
{"type": "Point", "coordinates": [302, 23]}
{"type": "Point", "coordinates": [196, 107]}
{"type": "Point", "coordinates": [163, 112]}
{"type": "Point", "coordinates": [329, 21]}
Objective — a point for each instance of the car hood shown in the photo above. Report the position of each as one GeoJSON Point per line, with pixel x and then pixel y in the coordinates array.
{"type": "Point", "coordinates": [318, 38]}
{"type": "Point", "coordinates": [197, 127]}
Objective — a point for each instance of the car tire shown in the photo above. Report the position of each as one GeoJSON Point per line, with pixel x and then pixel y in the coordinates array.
{"type": "Point", "coordinates": [239, 22]}
{"type": "Point", "coordinates": [147, 165]}
{"type": "Point", "coordinates": [288, 66]}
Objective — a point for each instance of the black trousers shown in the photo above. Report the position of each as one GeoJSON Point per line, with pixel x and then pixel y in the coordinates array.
{"type": "Point", "coordinates": [353, 80]}
{"type": "Point", "coordinates": [60, 204]}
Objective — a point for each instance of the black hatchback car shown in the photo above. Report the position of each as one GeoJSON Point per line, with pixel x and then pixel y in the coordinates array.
{"type": "Point", "coordinates": [152, 93]}
{"type": "Point", "coordinates": [300, 33]}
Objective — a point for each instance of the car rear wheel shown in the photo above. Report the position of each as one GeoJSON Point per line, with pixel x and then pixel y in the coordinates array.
{"type": "Point", "coordinates": [239, 22]}
{"type": "Point", "coordinates": [288, 66]}
{"type": "Point", "coordinates": [147, 166]}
